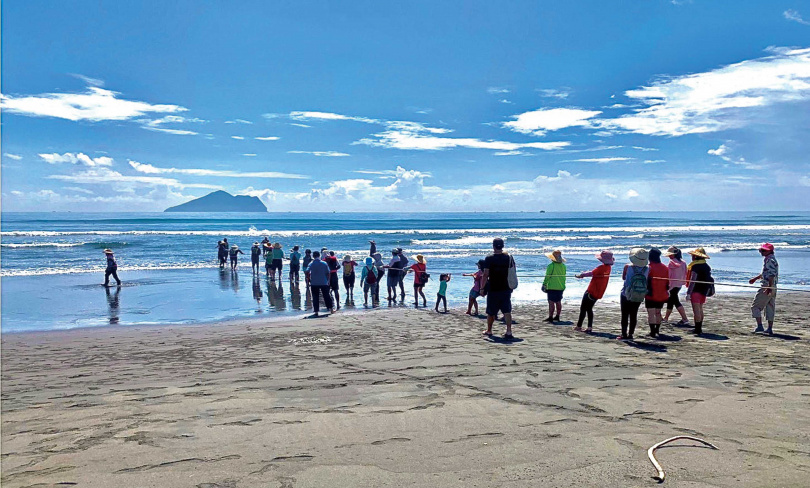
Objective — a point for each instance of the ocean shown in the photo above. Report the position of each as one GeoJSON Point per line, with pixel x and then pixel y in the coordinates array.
{"type": "Point", "coordinates": [52, 265]}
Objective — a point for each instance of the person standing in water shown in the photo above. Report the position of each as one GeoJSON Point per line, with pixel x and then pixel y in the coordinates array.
{"type": "Point", "coordinates": [306, 261]}
{"type": "Point", "coordinates": [554, 285]}
{"type": "Point", "coordinates": [596, 289]}
{"type": "Point", "coordinates": [349, 277]}
{"type": "Point", "coordinates": [766, 295]}
{"type": "Point", "coordinates": [222, 252]}
{"type": "Point", "coordinates": [441, 296]}
{"type": "Point", "coordinates": [112, 269]}
{"type": "Point", "coordinates": [334, 283]}
{"type": "Point", "coordinates": [475, 291]}
{"type": "Point", "coordinates": [295, 264]}
{"type": "Point", "coordinates": [266, 246]}
{"type": "Point", "coordinates": [235, 252]}
{"type": "Point", "coordinates": [278, 256]}
{"type": "Point", "coordinates": [368, 280]}
{"type": "Point", "coordinates": [403, 259]}
{"type": "Point", "coordinates": [394, 270]}
{"type": "Point", "coordinates": [255, 257]}
{"type": "Point", "coordinates": [677, 280]}
{"type": "Point", "coordinates": [699, 277]}
{"type": "Point", "coordinates": [380, 266]}
{"type": "Point", "coordinates": [658, 291]}
{"type": "Point", "coordinates": [420, 278]}
{"type": "Point", "coordinates": [634, 290]}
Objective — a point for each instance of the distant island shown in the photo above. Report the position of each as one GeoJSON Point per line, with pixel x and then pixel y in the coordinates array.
{"type": "Point", "coordinates": [221, 201]}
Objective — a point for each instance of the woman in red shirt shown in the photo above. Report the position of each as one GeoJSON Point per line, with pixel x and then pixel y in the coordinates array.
{"type": "Point", "coordinates": [419, 269]}
{"type": "Point", "coordinates": [658, 286]}
{"type": "Point", "coordinates": [596, 289]}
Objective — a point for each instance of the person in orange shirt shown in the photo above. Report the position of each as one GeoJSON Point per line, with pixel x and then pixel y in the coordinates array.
{"type": "Point", "coordinates": [596, 289]}
{"type": "Point", "coordinates": [658, 286]}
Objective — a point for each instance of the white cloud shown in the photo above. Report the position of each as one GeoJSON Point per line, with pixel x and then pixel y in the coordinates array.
{"type": "Point", "coordinates": [96, 104]}
{"type": "Point", "coordinates": [598, 160]}
{"type": "Point", "coordinates": [654, 161]}
{"type": "Point", "coordinates": [495, 90]}
{"type": "Point", "coordinates": [302, 125]}
{"type": "Point", "coordinates": [328, 154]}
{"type": "Point", "coordinates": [79, 158]}
{"type": "Point", "coordinates": [631, 193]}
{"type": "Point", "coordinates": [545, 119]}
{"type": "Point", "coordinates": [249, 154]}
{"type": "Point", "coordinates": [79, 190]}
{"type": "Point", "coordinates": [15, 157]}
{"type": "Point", "coordinates": [720, 151]}
{"type": "Point", "coordinates": [724, 153]}
{"type": "Point", "coordinates": [106, 176]}
{"type": "Point", "coordinates": [795, 16]}
{"type": "Point", "coordinates": [268, 138]}
{"type": "Point", "coordinates": [87, 80]}
{"type": "Point", "coordinates": [150, 169]}
{"type": "Point", "coordinates": [508, 102]}
{"type": "Point", "coordinates": [309, 115]}
{"type": "Point", "coordinates": [238, 138]}
{"type": "Point", "coordinates": [238, 121]}
{"type": "Point", "coordinates": [512, 153]}
{"type": "Point", "coordinates": [554, 93]}
{"type": "Point", "coordinates": [719, 99]}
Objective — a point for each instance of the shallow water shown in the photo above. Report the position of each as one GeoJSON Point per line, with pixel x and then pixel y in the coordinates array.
{"type": "Point", "coordinates": [52, 264]}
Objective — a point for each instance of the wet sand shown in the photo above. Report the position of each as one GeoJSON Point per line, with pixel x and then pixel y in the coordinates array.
{"type": "Point", "coordinates": [408, 397]}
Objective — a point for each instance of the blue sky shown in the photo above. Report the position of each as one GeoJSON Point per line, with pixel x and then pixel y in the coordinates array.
{"type": "Point", "coordinates": [653, 105]}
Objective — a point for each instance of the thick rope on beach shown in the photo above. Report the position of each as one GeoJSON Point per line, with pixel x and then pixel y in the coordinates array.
{"type": "Point", "coordinates": [651, 452]}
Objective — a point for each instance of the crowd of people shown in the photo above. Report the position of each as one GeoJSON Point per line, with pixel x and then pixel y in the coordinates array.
{"type": "Point", "coordinates": [645, 280]}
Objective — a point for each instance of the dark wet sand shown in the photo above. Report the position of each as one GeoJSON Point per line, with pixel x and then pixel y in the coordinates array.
{"type": "Point", "coordinates": [408, 398]}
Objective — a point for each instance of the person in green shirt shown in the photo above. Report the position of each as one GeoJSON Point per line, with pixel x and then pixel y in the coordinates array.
{"type": "Point", "coordinates": [554, 285]}
{"type": "Point", "coordinates": [441, 297]}
{"type": "Point", "coordinates": [276, 264]}
{"type": "Point", "coordinates": [295, 263]}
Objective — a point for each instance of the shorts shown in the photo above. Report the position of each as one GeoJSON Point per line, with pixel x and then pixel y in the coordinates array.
{"type": "Point", "coordinates": [348, 281]}
{"type": "Point", "coordinates": [499, 301]}
{"type": "Point", "coordinates": [268, 266]}
{"type": "Point", "coordinates": [333, 282]}
{"type": "Point", "coordinates": [674, 301]}
{"type": "Point", "coordinates": [653, 304]}
{"type": "Point", "coordinates": [295, 268]}
{"type": "Point", "coordinates": [370, 287]}
{"type": "Point", "coordinates": [474, 294]}
{"type": "Point", "coordinates": [277, 265]}
{"type": "Point", "coordinates": [418, 286]}
{"type": "Point", "coordinates": [697, 298]}
{"type": "Point", "coordinates": [254, 262]}
{"type": "Point", "coordinates": [393, 279]}
{"type": "Point", "coordinates": [555, 295]}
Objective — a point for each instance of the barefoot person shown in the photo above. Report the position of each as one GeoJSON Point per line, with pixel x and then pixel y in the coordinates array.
{"type": "Point", "coordinates": [348, 265]}
{"type": "Point", "coordinates": [699, 277]}
{"type": "Point", "coordinates": [499, 294]}
{"type": "Point", "coordinates": [633, 292]}
{"type": "Point", "coordinates": [319, 278]}
{"type": "Point", "coordinates": [475, 291]}
{"type": "Point", "coordinates": [112, 269]}
{"type": "Point", "coordinates": [255, 257]}
{"type": "Point", "coordinates": [658, 294]}
{"type": "Point", "coordinates": [596, 288]}
{"type": "Point", "coordinates": [420, 277]}
{"type": "Point", "coordinates": [441, 296]}
{"type": "Point", "coordinates": [677, 280]}
{"type": "Point", "coordinates": [234, 253]}
{"type": "Point", "coordinates": [766, 295]}
{"type": "Point", "coordinates": [394, 270]}
{"type": "Point", "coordinates": [554, 285]}
{"type": "Point", "coordinates": [368, 280]}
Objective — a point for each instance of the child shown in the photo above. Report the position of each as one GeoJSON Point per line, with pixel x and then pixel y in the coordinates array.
{"type": "Point", "coordinates": [295, 263]}
{"type": "Point", "coordinates": [306, 261]}
{"type": "Point", "coordinates": [658, 286]}
{"type": "Point", "coordinates": [348, 277]}
{"type": "Point", "coordinates": [442, 295]}
{"type": "Point", "coordinates": [475, 291]}
{"type": "Point", "coordinates": [369, 282]}
{"type": "Point", "coordinates": [235, 252]}
{"type": "Point", "coordinates": [554, 285]}
{"type": "Point", "coordinates": [596, 289]}
{"type": "Point", "coordinates": [255, 255]}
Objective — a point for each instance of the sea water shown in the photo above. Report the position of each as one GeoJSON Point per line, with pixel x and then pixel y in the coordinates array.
{"type": "Point", "coordinates": [52, 265]}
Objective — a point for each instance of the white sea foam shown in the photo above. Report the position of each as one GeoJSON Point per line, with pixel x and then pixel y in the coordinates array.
{"type": "Point", "coordinates": [44, 244]}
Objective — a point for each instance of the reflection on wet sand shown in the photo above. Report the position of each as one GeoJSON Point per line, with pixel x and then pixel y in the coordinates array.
{"type": "Point", "coordinates": [113, 304]}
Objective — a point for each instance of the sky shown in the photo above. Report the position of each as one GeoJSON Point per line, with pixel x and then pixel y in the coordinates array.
{"type": "Point", "coordinates": [656, 105]}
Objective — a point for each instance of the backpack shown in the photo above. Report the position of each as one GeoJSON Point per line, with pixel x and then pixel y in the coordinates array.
{"type": "Point", "coordinates": [294, 257]}
{"type": "Point", "coordinates": [710, 288]}
{"type": "Point", "coordinates": [371, 276]}
{"type": "Point", "coordinates": [511, 277]}
{"type": "Point", "coordinates": [423, 276]}
{"type": "Point", "coordinates": [638, 287]}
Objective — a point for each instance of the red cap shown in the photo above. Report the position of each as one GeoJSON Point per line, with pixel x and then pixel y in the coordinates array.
{"type": "Point", "coordinates": [766, 247]}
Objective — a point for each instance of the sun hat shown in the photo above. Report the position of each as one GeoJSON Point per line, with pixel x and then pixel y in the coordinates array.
{"type": "Point", "coordinates": [369, 261]}
{"type": "Point", "coordinates": [766, 247]}
{"type": "Point", "coordinates": [394, 251]}
{"type": "Point", "coordinates": [699, 252]}
{"type": "Point", "coordinates": [639, 257]}
{"type": "Point", "coordinates": [108, 251]}
{"type": "Point", "coordinates": [672, 251]}
{"type": "Point", "coordinates": [234, 247]}
{"type": "Point", "coordinates": [556, 256]}
{"type": "Point", "coordinates": [606, 257]}
{"type": "Point", "coordinates": [378, 259]}
{"type": "Point", "coordinates": [420, 259]}
{"type": "Point", "coordinates": [256, 243]}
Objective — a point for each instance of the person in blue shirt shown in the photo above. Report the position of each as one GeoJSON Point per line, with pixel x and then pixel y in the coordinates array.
{"type": "Point", "coordinates": [319, 279]}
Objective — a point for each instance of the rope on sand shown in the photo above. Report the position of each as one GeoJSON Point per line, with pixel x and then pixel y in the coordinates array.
{"type": "Point", "coordinates": [691, 281]}
{"type": "Point", "coordinates": [651, 452]}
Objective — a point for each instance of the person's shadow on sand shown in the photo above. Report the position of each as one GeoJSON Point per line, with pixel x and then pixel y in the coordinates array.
{"type": "Point", "coordinates": [712, 337]}
{"type": "Point", "coordinates": [502, 340]}
{"type": "Point", "coordinates": [647, 346]}
{"type": "Point", "coordinates": [784, 337]}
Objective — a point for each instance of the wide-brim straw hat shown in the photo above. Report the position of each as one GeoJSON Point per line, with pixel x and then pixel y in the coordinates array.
{"type": "Point", "coordinates": [671, 251]}
{"type": "Point", "coordinates": [556, 256]}
{"type": "Point", "coordinates": [639, 257]}
{"type": "Point", "coordinates": [234, 247]}
{"type": "Point", "coordinates": [699, 252]}
{"type": "Point", "coordinates": [606, 257]}
{"type": "Point", "coordinates": [108, 251]}
{"type": "Point", "coordinates": [420, 259]}
{"type": "Point", "coordinates": [256, 243]}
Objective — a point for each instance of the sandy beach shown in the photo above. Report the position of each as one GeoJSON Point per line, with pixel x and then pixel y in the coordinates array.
{"type": "Point", "coordinates": [405, 397]}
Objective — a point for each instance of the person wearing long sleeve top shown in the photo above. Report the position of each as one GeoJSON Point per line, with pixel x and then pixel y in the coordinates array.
{"type": "Point", "coordinates": [766, 295]}
{"type": "Point", "coordinates": [319, 277]}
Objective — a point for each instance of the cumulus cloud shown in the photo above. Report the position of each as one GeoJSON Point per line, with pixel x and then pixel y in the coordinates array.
{"type": "Point", "coordinates": [328, 154]}
{"type": "Point", "coordinates": [78, 158]}
{"type": "Point", "coordinates": [96, 104]}
{"type": "Point", "coordinates": [540, 121]}
{"type": "Point", "coordinates": [150, 169]}
{"type": "Point", "coordinates": [719, 99]}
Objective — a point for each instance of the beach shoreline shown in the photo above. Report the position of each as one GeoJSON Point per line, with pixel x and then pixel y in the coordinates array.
{"type": "Point", "coordinates": [408, 397]}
